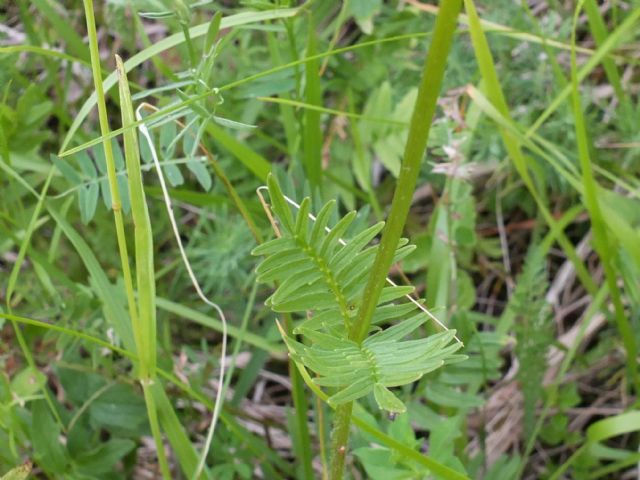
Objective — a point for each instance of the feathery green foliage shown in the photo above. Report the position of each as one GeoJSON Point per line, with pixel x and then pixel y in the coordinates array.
{"type": "Point", "coordinates": [319, 273]}
{"type": "Point", "coordinates": [534, 333]}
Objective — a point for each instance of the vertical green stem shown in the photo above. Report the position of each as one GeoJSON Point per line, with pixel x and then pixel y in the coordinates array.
{"type": "Point", "coordinates": [423, 112]}
{"type": "Point", "coordinates": [340, 439]}
{"type": "Point", "coordinates": [430, 84]}
{"type": "Point", "coordinates": [116, 204]}
{"type": "Point", "coordinates": [300, 407]}
{"type": "Point", "coordinates": [141, 338]}
{"type": "Point", "coordinates": [312, 134]}
{"type": "Point", "coordinates": [145, 274]}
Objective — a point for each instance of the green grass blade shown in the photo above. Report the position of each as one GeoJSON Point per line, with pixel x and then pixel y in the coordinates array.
{"type": "Point", "coordinates": [600, 34]}
{"type": "Point", "coordinates": [145, 281]}
{"type": "Point", "coordinates": [74, 42]}
{"type": "Point", "coordinates": [331, 111]}
{"type": "Point", "coordinates": [145, 276]}
{"type": "Point", "coordinates": [312, 132]}
{"type": "Point", "coordinates": [115, 313]}
{"type": "Point", "coordinates": [45, 52]}
{"type": "Point", "coordinates": [251, 159]}
{"type": "Point", "coordinates": [601, 242]}
{"type": "Point", "coordinates": [496, 96]}
{"type": "Point", "coordinates": [215, 324]}
{"type": "Point", "coordinates": [178, 439]}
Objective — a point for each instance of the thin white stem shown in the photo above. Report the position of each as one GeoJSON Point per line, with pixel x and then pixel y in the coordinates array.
{"type": "Point", "coordinates": [196, 285]}
{"type": "Point", "coordinates": [389, 281]}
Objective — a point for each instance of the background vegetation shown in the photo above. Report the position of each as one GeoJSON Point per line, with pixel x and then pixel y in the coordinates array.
{"type": "Point", "coordinates": [525, 218]}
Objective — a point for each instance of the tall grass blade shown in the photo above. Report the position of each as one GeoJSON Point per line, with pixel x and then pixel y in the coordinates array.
{"type": "Point", "coordinates": [145, 274]}
{"type": "Point", "coordinates": [520, 162]}
{"type": "Point", "coordinates": [601, 241]}
{"type": "Point", "coordinates": [312, 133]}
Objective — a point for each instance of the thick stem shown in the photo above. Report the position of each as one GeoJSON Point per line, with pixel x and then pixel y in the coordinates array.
{"type": "Point", "coordinates": [423, 112]}
{"type": "Point", "coordinates": [339, 440]}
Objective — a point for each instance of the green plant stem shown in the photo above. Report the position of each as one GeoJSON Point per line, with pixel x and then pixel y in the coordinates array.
{"type": "Point", "coordinates": [312, 131]}
{"type": "Point", "coordinates": [145, 276]}
{"type": "Point", "coordinates": [152, 412]}
{"type": "Point", "coordinates": [339, 439]}
{"type": "Point", "coordinates": [143, 241]}
{"type": "Point", "coordinates": [116, 204]}
{"type": "Point", "coordinates": [300, 407]}
{"type": "Point", "coordinates": [423, 112]}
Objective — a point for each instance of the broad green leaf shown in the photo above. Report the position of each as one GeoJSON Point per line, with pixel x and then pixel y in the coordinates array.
{"type": "Point", "coordinates": [103, 458]}
{"type": "Point", "coordinates": [88, 201]}
{"type": "Point", "coordinates": [49, 451]}
{"type": "Point", "coordinates": [118, 408]}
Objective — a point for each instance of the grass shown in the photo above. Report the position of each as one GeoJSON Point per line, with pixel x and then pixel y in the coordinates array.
{"type": "Point", "coordinates": [142, 335]}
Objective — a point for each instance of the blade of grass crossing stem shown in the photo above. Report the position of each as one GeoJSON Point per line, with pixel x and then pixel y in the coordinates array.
{"type": "Point", "coordinates": [251, 159]}
{"type": "Point", "coordinates": [145, 279]}
{"type": "Point", "coordinates": [424, 109]}
{"type": "Point", "coordinates": [312, 133]}
{"type": "Point", "coordinates": [496, 96]}
{"type": "Point", "coordinates": [11, 285]}
{"type": "Point", "coordinates": [598, 225]}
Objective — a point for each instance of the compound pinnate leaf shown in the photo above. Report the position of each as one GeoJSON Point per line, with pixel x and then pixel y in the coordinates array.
{"type": "Point", "coordinates": [318, 273]}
